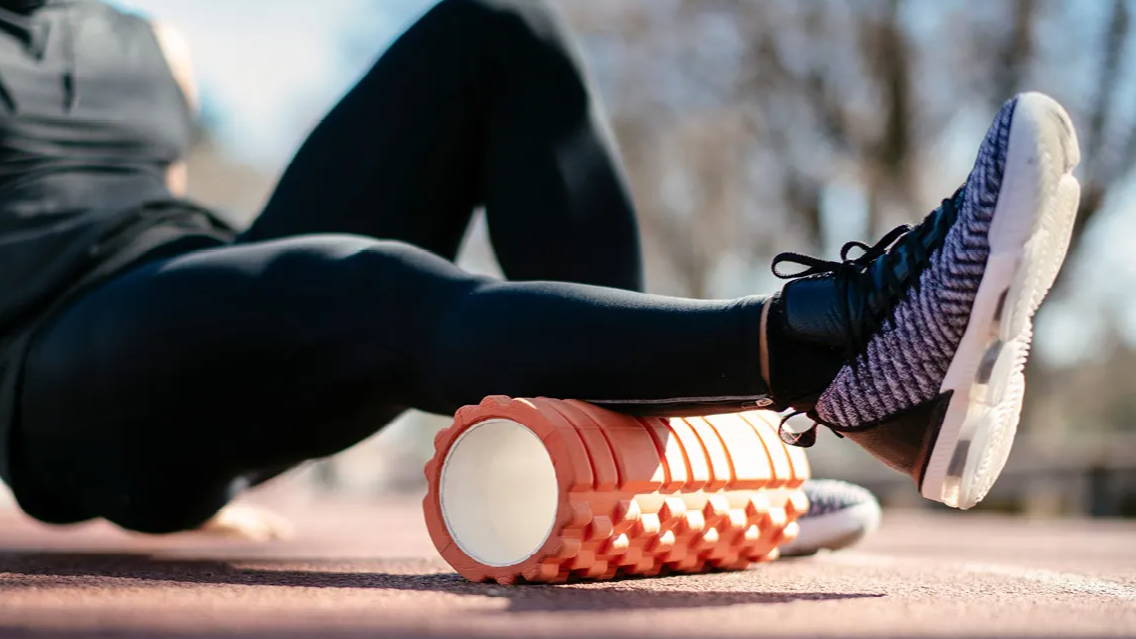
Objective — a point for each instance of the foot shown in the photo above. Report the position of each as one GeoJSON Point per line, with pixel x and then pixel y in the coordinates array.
{"type": "Point", "coordinates": [248, 523]}
{"type": "Point", "coordinates": [929, 330]}
{"type": "Point", "coordinates": [839, 515]}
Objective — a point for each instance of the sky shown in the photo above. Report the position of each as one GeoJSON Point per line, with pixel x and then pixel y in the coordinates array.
{"type": "Point", "coordinates": [268, 70]}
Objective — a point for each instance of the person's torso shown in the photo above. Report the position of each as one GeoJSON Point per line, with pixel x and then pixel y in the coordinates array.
{"type": "Point", "coordinates": [90, 120]}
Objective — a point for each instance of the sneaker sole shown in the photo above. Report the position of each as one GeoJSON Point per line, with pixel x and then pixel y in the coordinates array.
{"type": "Point", "coordinates": [1029, 236]}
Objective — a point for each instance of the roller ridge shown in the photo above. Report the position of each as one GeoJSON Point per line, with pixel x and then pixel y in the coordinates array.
{"type": "Point", "coordinates": [642, 496]}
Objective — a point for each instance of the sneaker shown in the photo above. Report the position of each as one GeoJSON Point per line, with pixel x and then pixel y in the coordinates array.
{"type": "Point", "coordinates": [840, 514]}
{"type": "Point", "coordinates": [926, 333]}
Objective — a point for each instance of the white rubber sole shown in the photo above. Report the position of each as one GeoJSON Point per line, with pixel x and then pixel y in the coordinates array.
{"type": "Point", "coordinates": [1029, 236]}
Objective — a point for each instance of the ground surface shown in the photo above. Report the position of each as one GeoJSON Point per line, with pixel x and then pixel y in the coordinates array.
{"type": "Point", "coordinates": [367, 569]}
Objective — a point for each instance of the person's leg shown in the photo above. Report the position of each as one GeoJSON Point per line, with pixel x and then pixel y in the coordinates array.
{"type": "Point", "coordinates": [479, 102]}
{"type": "Point", "coordinates": [556, 201]}
{"type": "Point", "coordinates": [153, 395]}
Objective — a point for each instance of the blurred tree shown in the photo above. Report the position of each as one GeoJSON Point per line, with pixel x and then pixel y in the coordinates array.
{"type": "Point", "coordinates": [1109, 149]}
{"type": "Point", "coordinates": [751, 127]}
{"type": "Point", "coordinates": [754, 127]}
{"type": "Point", "coordinates": [764, 107]}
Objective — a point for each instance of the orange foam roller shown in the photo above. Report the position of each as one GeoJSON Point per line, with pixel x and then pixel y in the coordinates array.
{"type": "Point", "coordinates": [542, 490]}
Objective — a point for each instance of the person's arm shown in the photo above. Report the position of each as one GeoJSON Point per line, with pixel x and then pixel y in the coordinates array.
{"type": "Point", "coordinates": [176, 50]}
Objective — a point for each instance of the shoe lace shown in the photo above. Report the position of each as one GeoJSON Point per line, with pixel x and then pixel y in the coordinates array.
{"type": "Point", "coordinates": [805, 438]}
{"type": "Point", "coordinates": [874, 275]}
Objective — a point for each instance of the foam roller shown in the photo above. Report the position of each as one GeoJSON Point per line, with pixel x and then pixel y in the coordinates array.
{"type": "Point", "coordinates": [543, 490]}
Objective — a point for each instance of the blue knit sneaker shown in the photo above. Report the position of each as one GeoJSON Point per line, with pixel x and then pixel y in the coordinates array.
{"type": "Point", "coordinates": [937, 319]}
{"type": "Point", "coordinates": [840, 514]}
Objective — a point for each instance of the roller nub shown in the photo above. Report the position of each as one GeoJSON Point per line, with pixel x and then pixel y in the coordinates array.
{"type": "Point", "coordinates": [544, 490]}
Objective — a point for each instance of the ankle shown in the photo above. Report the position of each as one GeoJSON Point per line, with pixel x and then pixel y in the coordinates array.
{"type": "Point", "coordinates": [796, 369]}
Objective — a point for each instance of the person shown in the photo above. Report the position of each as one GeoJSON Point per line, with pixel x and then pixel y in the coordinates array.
{"type": "Point", "coordinates": [158, 362]}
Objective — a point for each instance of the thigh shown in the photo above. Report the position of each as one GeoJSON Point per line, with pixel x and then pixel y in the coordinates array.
{"type": "Point", "coordinates": [149, 398]}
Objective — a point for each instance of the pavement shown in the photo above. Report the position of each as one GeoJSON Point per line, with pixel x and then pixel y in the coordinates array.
{"type": "Point", "coordinates": [365, 568]}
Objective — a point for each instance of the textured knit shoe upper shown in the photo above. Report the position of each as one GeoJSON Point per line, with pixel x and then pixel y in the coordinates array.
{"type": "Point", "coordinates": [840, 514]}
{"type": "Point", "coordinates": [905, 361]}
{"type": "Point", "coordinates": [854, 341]}
{"type": "Point", "coordinates": [832, 495]}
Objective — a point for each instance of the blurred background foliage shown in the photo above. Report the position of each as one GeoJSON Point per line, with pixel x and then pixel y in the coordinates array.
{"type": "Point", "coordinates": [748, 128]}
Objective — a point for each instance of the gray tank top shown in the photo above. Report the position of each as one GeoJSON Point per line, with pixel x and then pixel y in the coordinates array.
{"type": "Point", "coordinates": [90, 118]}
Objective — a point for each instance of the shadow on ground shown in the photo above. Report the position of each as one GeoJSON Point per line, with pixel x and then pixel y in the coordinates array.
{"type": "Point", "coordinates": [61, 570]}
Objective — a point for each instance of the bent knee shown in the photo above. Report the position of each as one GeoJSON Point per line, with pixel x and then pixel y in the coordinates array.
{"type": "Point", "coordinates": [533, 12]}
{"type": "Point", "coordinates": [515, 22]}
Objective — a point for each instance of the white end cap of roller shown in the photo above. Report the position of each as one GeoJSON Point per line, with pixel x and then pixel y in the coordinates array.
{"type": "Point", "coordinates": [498, 492]}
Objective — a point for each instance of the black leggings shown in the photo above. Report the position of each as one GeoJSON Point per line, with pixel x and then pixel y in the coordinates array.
{"type": "Point", "coordinates": [155, 397]}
